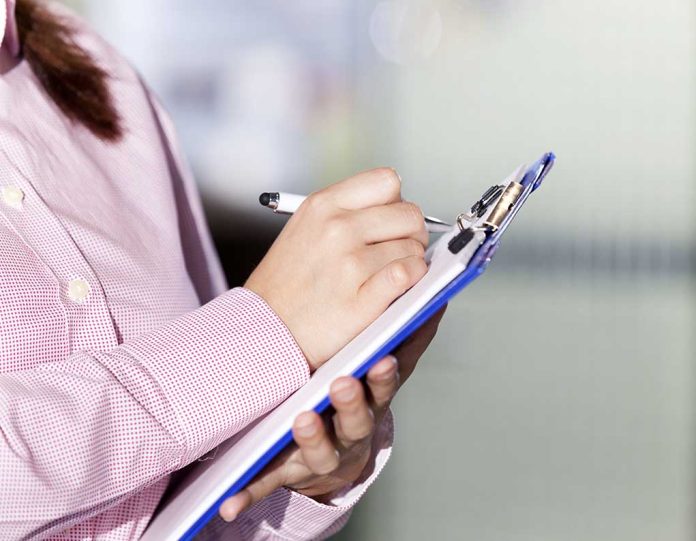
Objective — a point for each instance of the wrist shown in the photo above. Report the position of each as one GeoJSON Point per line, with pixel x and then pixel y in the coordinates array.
{"type": "Point", "coordinates": [255, 286]}
{"type": "Point", "coordinates": [287, 312]}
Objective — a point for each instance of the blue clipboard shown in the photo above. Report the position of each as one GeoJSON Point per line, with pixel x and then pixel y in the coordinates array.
{"type": "Point", "coordinates": [530, 179]}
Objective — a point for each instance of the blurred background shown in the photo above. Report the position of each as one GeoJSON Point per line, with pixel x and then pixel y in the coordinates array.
{"type": "Point", "coordinates": [557, 402]}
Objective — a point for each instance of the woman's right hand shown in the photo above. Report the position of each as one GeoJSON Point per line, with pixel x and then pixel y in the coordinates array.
{"type": "Point", "coordinates": [347, 253]}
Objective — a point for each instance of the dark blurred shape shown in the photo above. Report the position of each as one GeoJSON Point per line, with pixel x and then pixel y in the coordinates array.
{"type": "Point", "coordinates": [241, 238]}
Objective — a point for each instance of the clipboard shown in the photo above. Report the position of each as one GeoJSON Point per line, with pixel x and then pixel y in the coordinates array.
{"type": "Point", "coordinates": [454, 261]}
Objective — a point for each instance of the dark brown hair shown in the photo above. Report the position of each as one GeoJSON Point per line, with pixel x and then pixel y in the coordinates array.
{"type": "Point", "coordinates": [68, 74]}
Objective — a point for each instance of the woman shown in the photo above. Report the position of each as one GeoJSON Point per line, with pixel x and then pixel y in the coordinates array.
{"type": "Point", "coordinates": [123, 357]}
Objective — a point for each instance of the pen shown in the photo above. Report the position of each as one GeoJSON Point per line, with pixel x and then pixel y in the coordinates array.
{"type": "Point", "coordinates": [287, 203]}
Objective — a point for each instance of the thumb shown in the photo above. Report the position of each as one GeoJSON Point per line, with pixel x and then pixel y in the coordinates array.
{"type": "Point", "coordinates": [270, 480]}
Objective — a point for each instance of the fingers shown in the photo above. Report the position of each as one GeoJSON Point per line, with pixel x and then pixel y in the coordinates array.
{"type": "Point", "coordinates": [231, 507]}
{"type": "Point", "coordinates": [377, 256]}
{"type": "Point", "coordinates": [392, 281]}
{"type": "Point", "coordinates": [318, 451]}
{"type": "Point", "coordinates": [354, 423]}
{"type": "Point", "coordinates": [379, 186]}
{"type": "Point", "coordinates": [387, 222]}
{"type": "Point", "coordinates": [272, 478]}
{"type": "Point", "coordinates": [319, 457]}
{"type": "Point", "coordinates": [353, 420]}
{"type": "Point", "coordinates": [383, 382]}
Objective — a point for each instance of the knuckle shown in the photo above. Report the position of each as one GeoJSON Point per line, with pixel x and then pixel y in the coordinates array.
{"type": "Point", "coordinates": [387, 390]}
{"type": "Point", "coordinates": [353, 407]}
{"type": "Point", "coordinates": [350, 221]}
{"type": "Point", "coordinates": [347, 384]}
{"type": "Point", "coordinates": [406, 272]}
{"type": "Point", "coordinates": [334, 229]}
{"type": "Point", "coordinates": [311, 442]}
{"type": "Point", "coordinates": [364, 429]}
{"type": "Point", "coordinates": [383, 385]}
{"type": "Point", "coordinates": [415, 248]}
{"type": "Point", "coordinates": [328, 464]}
{"type": "Point", "coordinates": [414, 216]}
{"type": "Point", "coordinates": [315, 201]}
{"type": "Point", "coordinates": [389, 178]}
{"type": "Point", "coordinates": [424, 237]}
{"type": "Point", "coordinates": [398, 274]}
{"type": "Point", "coordinates": [419, 268]}
{"type": "Point", "coordinates": [352, 266]}
{"type": "Point", "coordinates": [320, 204]}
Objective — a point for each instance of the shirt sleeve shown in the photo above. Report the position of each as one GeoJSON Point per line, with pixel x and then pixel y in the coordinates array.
{"type": "Point", "coordinates": [79, 435]}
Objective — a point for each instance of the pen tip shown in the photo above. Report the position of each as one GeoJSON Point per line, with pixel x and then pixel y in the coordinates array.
{"type": "Point", "coordinates": [265, 199]}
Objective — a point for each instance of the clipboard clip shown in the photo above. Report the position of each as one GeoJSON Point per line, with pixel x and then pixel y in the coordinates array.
{"type": "Point", "coordinates": [504, 197]}
{"type": "Point", "coordinates": [479, 208]}
{"type": "Point", "coordinates": [487, 199]}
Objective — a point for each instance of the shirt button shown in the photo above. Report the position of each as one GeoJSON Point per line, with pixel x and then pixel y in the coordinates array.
{"type": "Point", "coordinates": [12, 197]}
{"type": "Point", "coordinates": [78, 290]}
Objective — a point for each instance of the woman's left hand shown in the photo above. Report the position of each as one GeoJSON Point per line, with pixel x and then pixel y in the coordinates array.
{"type": "Point", "coordinates": [325, 460]}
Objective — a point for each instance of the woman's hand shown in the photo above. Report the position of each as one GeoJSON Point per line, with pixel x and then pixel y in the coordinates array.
{"type": "Point", "coordinates": [328, 459]}
{"type": "Point", "coordinates": [346, 254]}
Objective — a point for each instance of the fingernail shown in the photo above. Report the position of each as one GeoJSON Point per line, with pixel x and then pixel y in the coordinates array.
{"type": "Point", "coordinates": [397, 174]}
{"type": "Point", "coordinates": [344, 391]}
{"type": "Point", "coordinates": [305, 426]}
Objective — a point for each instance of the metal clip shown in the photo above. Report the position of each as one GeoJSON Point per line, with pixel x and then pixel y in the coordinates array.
{"type": "Point", "coordinates": [462, 217]}
{"type": "Point", "coordinates": [510, 196]}
{"type": "Point", "coordinates": [487, 199]}
{"type": "Point", "coordinates": [480, 207]}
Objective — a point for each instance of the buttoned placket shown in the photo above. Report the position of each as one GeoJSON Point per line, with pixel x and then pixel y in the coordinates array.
{"type": "Point", "coordinates": [90, 325]}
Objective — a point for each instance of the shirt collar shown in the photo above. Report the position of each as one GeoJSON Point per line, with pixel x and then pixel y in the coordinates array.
{"type": "Point", "coordinates": [8, 27]}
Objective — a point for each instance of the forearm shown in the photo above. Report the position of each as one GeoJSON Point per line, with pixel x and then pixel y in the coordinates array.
{"type": "Point", "coordinates": [89, 430]}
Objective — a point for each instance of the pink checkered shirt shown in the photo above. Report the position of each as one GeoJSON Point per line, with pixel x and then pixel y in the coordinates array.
{"type": "Point", "coordinates": [112, 374]}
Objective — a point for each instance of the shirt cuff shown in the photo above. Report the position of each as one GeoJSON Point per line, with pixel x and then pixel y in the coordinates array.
{"type": "Point", "coordinates": [288, 515]}
{"type": "Point", "coordinates": [219, 368]}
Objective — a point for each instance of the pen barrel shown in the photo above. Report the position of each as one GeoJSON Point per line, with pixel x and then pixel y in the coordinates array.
{"type": "Point", "coordinates": [434, 227]}
{"type": "Point", "coordinates": [288, 203]}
